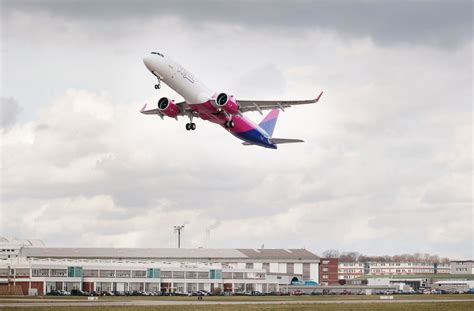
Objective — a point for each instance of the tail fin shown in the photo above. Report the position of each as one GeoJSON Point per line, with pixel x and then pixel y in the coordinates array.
{"type": "Point", "coordinates": [269, 122]}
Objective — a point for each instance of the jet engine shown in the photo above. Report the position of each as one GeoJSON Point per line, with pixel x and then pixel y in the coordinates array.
{"type": "Point", "coordinates": [226, 103]}
{"type": "Point", "coordinates": [168, 107]}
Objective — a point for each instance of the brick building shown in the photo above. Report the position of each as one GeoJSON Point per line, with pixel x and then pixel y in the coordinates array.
{"type": "Point", "coordinates": [328, 271]}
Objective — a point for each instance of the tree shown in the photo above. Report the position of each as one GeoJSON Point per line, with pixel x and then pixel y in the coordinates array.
{"type": "Point", "coordinates": [349, 257]}
{"type": "Point", "coordinates": [331, 253]}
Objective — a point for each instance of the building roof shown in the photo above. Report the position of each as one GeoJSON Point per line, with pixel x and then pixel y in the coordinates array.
{"type": "Point", "coordinates": [129, 253]}
{"type": "Point", "coordinates": [167, 253]}
{"type": "Point", "coordinates": [467, 260]}
{"type": "Point", "coordinates": [290, 254]}
{"type": "Point", "coordinates": [6, 242]}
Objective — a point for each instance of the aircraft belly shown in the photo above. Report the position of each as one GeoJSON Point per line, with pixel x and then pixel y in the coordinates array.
{"type": "Point", "coordinates": [243, 129]}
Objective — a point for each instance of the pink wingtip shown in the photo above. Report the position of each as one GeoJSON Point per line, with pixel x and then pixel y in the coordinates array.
{"type": "Point", "coordinates": [319, 96]}
{"type": "Point", "coordinates": [143, 109]}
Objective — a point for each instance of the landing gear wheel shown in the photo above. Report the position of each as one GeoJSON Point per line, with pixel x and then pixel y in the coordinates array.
{"type": "Point", "coordinates": [193, 126]}
{"type": "Point", "coordinates": [229, 124]}
{"type": "Point", "coordinates": [157, 86]}
{"type": "Point", "coordinates": [188, 126]}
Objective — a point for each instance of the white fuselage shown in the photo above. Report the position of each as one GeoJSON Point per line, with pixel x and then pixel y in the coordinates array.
{"type": "Point", "coordinates": [178, 78]}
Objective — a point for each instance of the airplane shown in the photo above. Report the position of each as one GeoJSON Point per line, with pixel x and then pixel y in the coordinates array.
{"type": "Point", "coordinates": [220, 108]}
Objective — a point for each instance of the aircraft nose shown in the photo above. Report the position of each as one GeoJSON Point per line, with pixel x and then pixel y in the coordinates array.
{"type": "Point", "coordinates": [148, 61]}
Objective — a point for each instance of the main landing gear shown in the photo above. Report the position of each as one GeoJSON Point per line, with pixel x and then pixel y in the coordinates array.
{"type": "Point", "coordinates": [229, 124]}
{"type": "Point", "coordinates": [190, 126]}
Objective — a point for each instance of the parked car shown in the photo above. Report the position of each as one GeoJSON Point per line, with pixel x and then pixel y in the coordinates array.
{"type": "Point", "coordinates": [195, 293]}
{"type": "Point", "coordinates": [78, 292]}
{"type": "Point", "coordinates": [297, 293]}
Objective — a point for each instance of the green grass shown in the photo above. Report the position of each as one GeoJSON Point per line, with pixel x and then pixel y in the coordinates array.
{"type": "Point", "coordinates": [439, 306]}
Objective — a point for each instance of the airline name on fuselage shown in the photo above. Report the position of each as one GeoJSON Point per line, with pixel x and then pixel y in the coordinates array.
{"type": "Point", "coordinates": [185, 74]}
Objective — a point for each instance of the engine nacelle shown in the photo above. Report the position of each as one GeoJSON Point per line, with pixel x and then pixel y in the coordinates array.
{"type": "Point", "coordinates": [226, 103]}
{"type": "Point", "coordinates": [168, 107]}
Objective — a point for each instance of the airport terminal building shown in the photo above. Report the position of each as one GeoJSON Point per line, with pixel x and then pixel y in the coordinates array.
{"type": "Point", "coordinates": [40, 270]}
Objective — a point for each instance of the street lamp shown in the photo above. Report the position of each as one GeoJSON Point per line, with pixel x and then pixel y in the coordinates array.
{"type": "Point", "coordinates": [179, 229]}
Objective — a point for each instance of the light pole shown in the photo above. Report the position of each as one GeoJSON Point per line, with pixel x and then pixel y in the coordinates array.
{"type": "Point", "coordinates": [178, 229]}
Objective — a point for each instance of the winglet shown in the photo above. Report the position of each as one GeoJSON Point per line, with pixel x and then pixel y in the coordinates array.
{"type": "Point", "coordinates": [319, 96]}
{"type": "Point", "coordinates": [143, 109]}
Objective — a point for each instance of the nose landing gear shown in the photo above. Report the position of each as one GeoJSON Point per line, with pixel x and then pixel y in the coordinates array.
{"type": "Point", "coordinates": [158, 85]}
{"type": "Point", "coordinates": [190, 126]}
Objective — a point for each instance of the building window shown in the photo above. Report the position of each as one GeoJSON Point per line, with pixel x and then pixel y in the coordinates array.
{"type": "Point", "coordinates": [238, 275]}
{"type": "Point", "coordinates": [90, 273]}
{"type": "Point", "coordinates": [306, 271]}
{"type": "Point", "coordinates": [290, 268]}
{"type": "Point", "coordinates": [254, 275]}
{"type": "Point", "coordinates": [106, 273]}
{"type": "Point", "coordinates": [215, 274]}
{"type": "Point", "coordinates": [58, 272]}
{"type": "Point", "coordinates": [203, 275]}
{"type": "Point", "coordinates": [22, 272]}
{"type": "Point", "coordinates": [178, 274]}
{"type": "Point", "coordinates": [153, 273]}
{"type": "Point", "coordinates": [74, 272]}
{"type": "Point", "coordinates": [191, 275]}
{"type": "Point", "coordinates": [122, 273]}
{"type": "Point", "coordinates": [40, 272]}
{"type": "Point", "coordinates": [166, 274]}
{"type": "Point", "coordinates": [227, 275]}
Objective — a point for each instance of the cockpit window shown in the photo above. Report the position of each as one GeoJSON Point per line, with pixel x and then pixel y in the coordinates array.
{"type": "Point", "coordinates": [157, 53]}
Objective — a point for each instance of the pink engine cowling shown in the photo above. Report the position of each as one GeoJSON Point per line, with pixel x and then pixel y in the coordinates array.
{"type": "Point", "coordinates": [226, 103]}
{"type": "Point", "coordinates": [168, 107]}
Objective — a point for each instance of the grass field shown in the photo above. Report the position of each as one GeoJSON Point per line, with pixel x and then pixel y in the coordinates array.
{"type": "Point", "coordinates": [438, 306]}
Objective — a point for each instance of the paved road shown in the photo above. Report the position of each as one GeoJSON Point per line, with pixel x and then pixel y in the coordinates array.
{"type": "Point", "coordinates": [78, 303]}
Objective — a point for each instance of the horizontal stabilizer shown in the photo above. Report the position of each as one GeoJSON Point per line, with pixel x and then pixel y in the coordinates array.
{"type": "Point", "coordinates": [277, 141]}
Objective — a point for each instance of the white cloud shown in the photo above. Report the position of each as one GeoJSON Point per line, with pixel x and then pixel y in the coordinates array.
{"type": "Point", "coordinates": [388, 152]}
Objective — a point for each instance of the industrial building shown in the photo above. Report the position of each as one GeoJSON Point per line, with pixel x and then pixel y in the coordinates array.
{"type": "Point", "coordinates": [40, 270]}
{"type": "Point", "coordinates": [354, 270]}
{"type": "Point", "coordinates": [462, 266]}
{"type": "Point", "coordinates": [10, 248]}
{"type": "Point", "coordinates": [28, 267]}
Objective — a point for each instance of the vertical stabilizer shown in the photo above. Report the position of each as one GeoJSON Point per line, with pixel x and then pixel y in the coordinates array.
{"type": "Point", "coordinates": [268, 123]}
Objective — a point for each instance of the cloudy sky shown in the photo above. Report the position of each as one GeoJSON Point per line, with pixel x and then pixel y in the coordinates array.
{"type": "Point", "coordinates": [387, 163]}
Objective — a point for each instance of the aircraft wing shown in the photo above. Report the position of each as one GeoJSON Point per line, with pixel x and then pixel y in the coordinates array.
{"type": "Point", "coordinates": [259, 105]}
{"type": "Point", "coordinates": [184, 110]}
